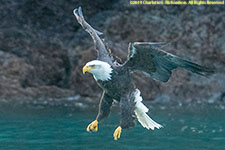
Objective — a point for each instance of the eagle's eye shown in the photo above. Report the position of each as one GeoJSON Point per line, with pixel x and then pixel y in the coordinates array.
{"type": "Point", "coordinates": [91, 66]}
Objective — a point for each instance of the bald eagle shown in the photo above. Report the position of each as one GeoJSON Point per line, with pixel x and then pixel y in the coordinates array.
{"type": "Point", "coordinates": [116, 79]}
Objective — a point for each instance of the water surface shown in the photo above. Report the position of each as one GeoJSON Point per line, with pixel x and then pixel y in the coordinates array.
{"type": "Point", "coordinates": [65, 129]}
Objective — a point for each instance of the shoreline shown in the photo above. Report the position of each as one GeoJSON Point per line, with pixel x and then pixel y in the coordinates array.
{"type": "Point", "coordinates": [87, 104]}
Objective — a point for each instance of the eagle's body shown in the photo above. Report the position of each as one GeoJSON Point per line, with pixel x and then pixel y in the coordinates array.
{"type": "Point", "coordinates": [114, 87]}
{"type": "Point", "coordinates": [116, 79]}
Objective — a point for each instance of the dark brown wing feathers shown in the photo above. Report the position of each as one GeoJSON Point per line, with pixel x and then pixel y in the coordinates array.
{"type": "Point", "coordinates": [158, 64]}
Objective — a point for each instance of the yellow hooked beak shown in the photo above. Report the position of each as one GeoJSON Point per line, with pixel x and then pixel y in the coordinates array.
{"type": "Point", "coordinates": [86, 69]}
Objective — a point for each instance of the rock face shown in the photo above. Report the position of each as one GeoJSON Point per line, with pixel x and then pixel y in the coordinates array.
{"type": "Point", "coordinates": [43, 48]}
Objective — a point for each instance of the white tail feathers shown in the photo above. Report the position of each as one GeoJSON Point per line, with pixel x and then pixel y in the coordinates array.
{"type": "Point", "coordinates": [141, 113]}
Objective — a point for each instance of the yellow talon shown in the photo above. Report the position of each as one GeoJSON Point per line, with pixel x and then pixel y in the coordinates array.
{"type": "Point", "coordinates": [117, 133]}
{"type": "Point", "coordinates": [93, 126]}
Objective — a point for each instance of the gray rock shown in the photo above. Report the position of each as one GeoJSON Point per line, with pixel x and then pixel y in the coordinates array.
{"type": "Point", "coordinates": [43, 48]}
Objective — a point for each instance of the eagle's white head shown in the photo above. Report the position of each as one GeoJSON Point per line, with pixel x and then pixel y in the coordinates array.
{"type": "Point", "coordinates": [101, 70]}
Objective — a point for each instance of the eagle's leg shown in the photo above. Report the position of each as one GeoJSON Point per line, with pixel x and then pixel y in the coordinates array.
{"type": "Point", "coordinates": [127, 117]}
{"type": "Point", "coordinates": [104, 110]}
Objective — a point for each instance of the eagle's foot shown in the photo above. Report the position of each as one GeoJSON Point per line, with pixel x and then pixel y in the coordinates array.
{"type": "Point", "coordinates": [93, 126]}
{"type": "Point", "coordinates": [117, 133]}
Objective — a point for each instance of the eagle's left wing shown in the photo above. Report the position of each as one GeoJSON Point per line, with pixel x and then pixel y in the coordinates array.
{"type": "Point", "coordinates": [158, 64]}
{"type": "Point", "coordinates": [103, 53]}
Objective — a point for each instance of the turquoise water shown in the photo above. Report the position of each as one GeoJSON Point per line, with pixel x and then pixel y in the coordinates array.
{"type": "Point", "coordinates": [65, 129]}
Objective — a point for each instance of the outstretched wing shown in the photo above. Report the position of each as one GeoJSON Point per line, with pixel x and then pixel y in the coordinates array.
{"type": "Point", "coordinates": [103, 52]}
{"type": "Point", "coordinates": [158, 64]}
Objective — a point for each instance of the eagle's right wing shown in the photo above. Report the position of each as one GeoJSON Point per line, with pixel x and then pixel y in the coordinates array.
{"type": "Point", "coordinates": [158, 64]}
{"type": "Point", "coordinates": [103, 53]}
